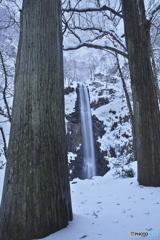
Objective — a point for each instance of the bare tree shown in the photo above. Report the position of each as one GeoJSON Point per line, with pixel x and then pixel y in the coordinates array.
{"type": "Point", "coordinates": [99, 25]}
{"type": "Point", "coordinates": [4, 90]}
{"type": "Point", "coordinates": [9, 31]}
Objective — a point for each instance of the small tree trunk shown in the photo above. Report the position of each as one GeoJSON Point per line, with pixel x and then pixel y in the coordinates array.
{"type": "Point", "coordinates": [146, 110]}
{"type": "Point", "coordinates": [155, 74]}
{"type": "Point", "coordinates": [129, 107]}
{"type": "Point", "coordinates": [36, 195]}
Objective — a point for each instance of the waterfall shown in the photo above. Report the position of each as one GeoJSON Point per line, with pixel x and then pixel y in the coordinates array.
{"type": "Point", "coordinates": [89, 167]}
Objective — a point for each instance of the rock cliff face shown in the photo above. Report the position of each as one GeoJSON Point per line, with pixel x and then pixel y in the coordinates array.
{"type": "Point", "coordinates": [75, 144]}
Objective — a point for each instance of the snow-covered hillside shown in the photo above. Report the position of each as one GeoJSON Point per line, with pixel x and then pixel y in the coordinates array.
{"type": "Point", "coordinates": [108, 104]}
{"type": "Point", "coordinates": [112, 208]}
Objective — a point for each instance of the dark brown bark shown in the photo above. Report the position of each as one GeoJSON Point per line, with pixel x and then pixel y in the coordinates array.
{"type": "Point", "coordinates": [146, 110]}
{"type": "Point", "coordinates": [36, 195]}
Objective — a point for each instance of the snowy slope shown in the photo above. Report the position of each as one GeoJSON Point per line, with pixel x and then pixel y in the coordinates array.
{"type": "Point", "coordinates": [112, 208]}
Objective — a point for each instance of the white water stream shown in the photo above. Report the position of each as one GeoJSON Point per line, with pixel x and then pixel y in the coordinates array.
{"type": "Point", "coordinates": [89, 166]}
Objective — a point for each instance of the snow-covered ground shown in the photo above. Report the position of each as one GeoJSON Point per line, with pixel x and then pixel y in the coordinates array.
{"type": "Point", "coordinates": [111, 208]}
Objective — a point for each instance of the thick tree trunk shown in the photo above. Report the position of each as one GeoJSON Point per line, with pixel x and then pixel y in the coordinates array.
{"type": "Point", "coordinates": [36, 195]}
{"type": "Point", "coordinates": [146, 110]}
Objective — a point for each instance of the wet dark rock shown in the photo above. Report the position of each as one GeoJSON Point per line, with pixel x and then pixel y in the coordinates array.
{"type": "Point", "coordinates": [112, 111]}
{"type": "Point", "coordinates": [68, 90]}
{"type": "Point", "coordinates": [112, 152]}
{"type": "Point", "coordinates": [75, 145]}
{"type": "Point", "coordinates": [115, 124]}
{"type": "Point", "coordinates": [111, 91]}
{"type": "Point", "coordinates": [74, 138]}
{"type": "Point", "coordinates": [100, 76]}
{"type": "Point", "coordinates": [124, 119]}
{"type": "Point", "coordinates": [99, 103]}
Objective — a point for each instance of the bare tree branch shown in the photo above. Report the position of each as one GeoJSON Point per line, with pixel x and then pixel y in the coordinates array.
{"type": "Point", "coordinates": [5, 87]}
{"type": "Point", "coordinates": [2, 113]}
{"type": "Point", "coordinates": [64, 20]}
{"type": "Point", "coordinates": [128, 102]}
{"type": "Point", "coordinates": [126, 92]}
{"type": "Point", "coordinates": [104, 8]}
{"type": "Point", "coordinates": [96, 46]}
{"type": "Point", "coordinates": [4, 142]}
{"type": "Point", "coordinates": [12, 15]}
{"type": "Point", "coordinates": [67, 26]}
{"type": "Point", "coordinates": [105, 32]}
{"type": "Point", "coordinates": [155, 10]}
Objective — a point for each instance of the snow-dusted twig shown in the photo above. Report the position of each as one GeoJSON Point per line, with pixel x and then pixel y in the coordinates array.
{"type": "Point", "coordinates": [12, 15]}
{"type": "Point", "coordinates": [5, 87]}
{"type": "Point", "coordinates": [4, 141]}
{"type": "Point", "coordinates": [126, 92]}
{"type": "Point", "coordinates": [105, 32]}
{"type": "Point", "coordinates": [103, 8]}
{"type": "Point", "coordinates": [63, 17]}
{"type": "Point", "coordinates": [98, 46]}
{"type": "Point", "coordinates": [152, 13]}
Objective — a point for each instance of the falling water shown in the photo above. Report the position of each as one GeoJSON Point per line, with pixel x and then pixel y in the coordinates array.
{"type": "Point", "coordinates": [89, 167]}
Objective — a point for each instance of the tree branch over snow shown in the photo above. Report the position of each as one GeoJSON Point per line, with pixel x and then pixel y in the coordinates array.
{"type": "Point", "coordinates": [4, 141]}
{"type": "Point", "coordinates": [5, 87]}
{"type": "Point", "coordinates": [126, 92]}
{"type": "Point", "coordinates": [103, 8]}
{"type": "Point", "coordinates": [106, 32]}
{"type": "Point", "coordinates": [97, 46]}
{"type": "Point", "coordinates": [152, 13]}
{"type": "Point", "coordinates": [63, 17]}
{"type": "Point", "coordinates": [12, 15]}
{"type": "Point", "coordinates": [67, 26]}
